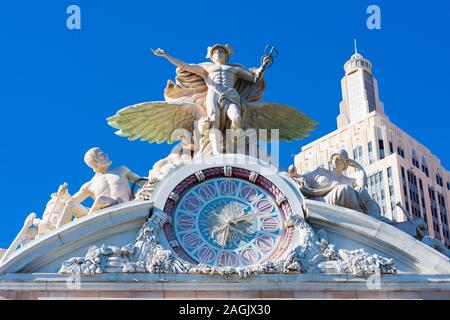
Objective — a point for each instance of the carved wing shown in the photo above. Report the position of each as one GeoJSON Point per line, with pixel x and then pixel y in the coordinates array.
{"type": "Point", "coordinates": [292, 123]}
{"type": "Point", "coordinates": [155, 121]}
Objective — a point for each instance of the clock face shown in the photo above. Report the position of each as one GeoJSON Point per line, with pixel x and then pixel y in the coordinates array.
{"type": "Point", "coordinates": [227, 222]}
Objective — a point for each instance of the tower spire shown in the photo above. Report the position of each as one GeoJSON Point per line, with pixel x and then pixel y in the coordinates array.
{"type": "Point", "coordinates": [356, 46]}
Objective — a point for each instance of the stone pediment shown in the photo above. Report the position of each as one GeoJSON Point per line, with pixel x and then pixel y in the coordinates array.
{"type": "Point", "coordinates": [341, 232]}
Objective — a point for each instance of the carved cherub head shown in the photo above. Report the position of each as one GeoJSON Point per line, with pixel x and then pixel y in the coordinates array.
{"type": "Point", "coordinates": [96, 159]}
{"type": "Point", "coordinates": [219, 53]}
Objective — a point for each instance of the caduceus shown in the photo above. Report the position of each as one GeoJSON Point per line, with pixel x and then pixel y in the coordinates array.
{"type": "Point", "coordinates": [270, 53]}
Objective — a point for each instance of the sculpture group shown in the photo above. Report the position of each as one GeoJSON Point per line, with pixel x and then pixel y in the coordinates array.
{"type": "Point", "coordinates": [205, 101]}
{"type": "Point", "coordinates": [108, 187]}
{"type": "Point", "coordinates": [206, 104]}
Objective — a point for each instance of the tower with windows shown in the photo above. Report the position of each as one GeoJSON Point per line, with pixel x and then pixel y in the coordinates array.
{"type": "Point", "coordinates": [404, 177]}
{"type": "Point", "coordinates": [360, 95]}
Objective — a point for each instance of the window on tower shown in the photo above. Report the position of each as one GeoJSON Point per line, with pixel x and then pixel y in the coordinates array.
{"type": "Point", "coordinates": [439, 180]}
{"type": "Point", "coordinates": [425, 166]}
{"type": "Point", "coordinates": [358, 156]}
{"type": "Point", "coordinates": [370, 148]}
{"type": "Point", "coordinates": [415, 159]}
{"type": "Point", "coordinates": [370, 91]}
{"type": "Point", "coordinates": [381, 148]}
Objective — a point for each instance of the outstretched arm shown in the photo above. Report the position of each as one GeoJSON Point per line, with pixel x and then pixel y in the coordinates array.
{"type": "Point", "coordinates": [180, 64]}
{"type": "Point", "coordinates": [81, 195]}
{"type": "Point", "coordinates": [132, 177]}
{"type": "Point", "coordinates": [245, 74]}
{"type": "Point", "coordinates": [361, 180]}
{"type": "Point", "coordinates": [249, 76]}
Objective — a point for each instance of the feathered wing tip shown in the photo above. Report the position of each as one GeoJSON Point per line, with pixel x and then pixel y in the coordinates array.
{"type": "Point", "coordinates": [291, 122]}
{"type": "Point", "coordinates": [156, 121]}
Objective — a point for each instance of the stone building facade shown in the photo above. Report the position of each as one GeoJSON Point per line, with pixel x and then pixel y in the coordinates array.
{"type": "Point", "coordinates": [404, 177]}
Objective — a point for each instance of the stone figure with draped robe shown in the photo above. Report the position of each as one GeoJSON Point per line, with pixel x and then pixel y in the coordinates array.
{"type": "Point", "coordinates": [220, 95]}
{"type": "Point", "coordinates": [333, 187]}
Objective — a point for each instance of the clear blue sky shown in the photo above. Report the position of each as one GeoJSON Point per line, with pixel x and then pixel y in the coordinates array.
{"type": "Point", "coordinates": [57, 86]}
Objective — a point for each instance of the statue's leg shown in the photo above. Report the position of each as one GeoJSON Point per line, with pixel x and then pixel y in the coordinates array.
{"type": "Point", "coordinates": [101, 203]}
{"type": "Point", "coordinates": [344, 196]}
{"type": "Point", "coordinates": [212, 110]}
{"type": "Point", "coordinates": [213, 113]}
{"type": "Point", "coordinates": [369, 205]}
{"type": "Point", "coordinates": [234, 115]}
{"type": "Point", "coordinates": [71, 207]}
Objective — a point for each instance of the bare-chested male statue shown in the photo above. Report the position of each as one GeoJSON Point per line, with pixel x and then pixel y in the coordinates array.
{"type": "Point", "coordinates": [222, 99]}
{"type": "Point", "coordinates": [108, 187]}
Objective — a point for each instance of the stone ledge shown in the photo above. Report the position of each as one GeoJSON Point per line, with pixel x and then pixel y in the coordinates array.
{"type": "Point", "coordinates": [200, 287]}
{"type": "Point", "coordinates": [207, 283]}
{"type": "Point", "coordinates": [223, 295]}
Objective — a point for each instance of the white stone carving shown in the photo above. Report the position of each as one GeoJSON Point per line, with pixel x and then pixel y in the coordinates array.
{"type": "Point", "coordinates": [355, 262]}
{"type": "Point", "coordinates": [333, 187]}
{"type": "Point", "coordinates": [308, 254]}
{"type": "Point", "coordinates": [144, 255]}
{"type": "Point", "coordinates": [207, 99]}
{"type": "Point", "coordinates": [108, 187]}
{"type": "Point", "coordinates": [34, 228]}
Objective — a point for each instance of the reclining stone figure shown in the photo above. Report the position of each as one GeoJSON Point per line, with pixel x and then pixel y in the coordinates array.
{"type": "Point", "coordinates": [333, 187]}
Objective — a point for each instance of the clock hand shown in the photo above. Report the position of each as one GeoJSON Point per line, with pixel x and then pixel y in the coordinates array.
{"type": "Point", "coordinates": [245, 217]}
{"type": "Point", "coordinates": [224, 242]}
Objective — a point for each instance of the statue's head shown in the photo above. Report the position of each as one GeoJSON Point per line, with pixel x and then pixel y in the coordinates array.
{"type": "Point", "coordinates": [219, 53]}
{"type": "Point", "coordinates": [96, 159]}
{"type": "Point", "coordinates": [339, 160]}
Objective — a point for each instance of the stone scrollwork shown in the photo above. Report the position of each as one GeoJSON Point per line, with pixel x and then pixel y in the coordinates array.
{"type": "Point", "coordinates": [144, 255]}
{"type": "Point", "coordinates": [355, 262]}
{"type": "Point", "coordinates": [359, 262]}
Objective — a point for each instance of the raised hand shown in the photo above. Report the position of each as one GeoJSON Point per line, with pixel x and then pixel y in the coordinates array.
{"type": "Point", "coordinates": [267, 60]}
{"type": "Point", "coordinates": [159, 52]}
